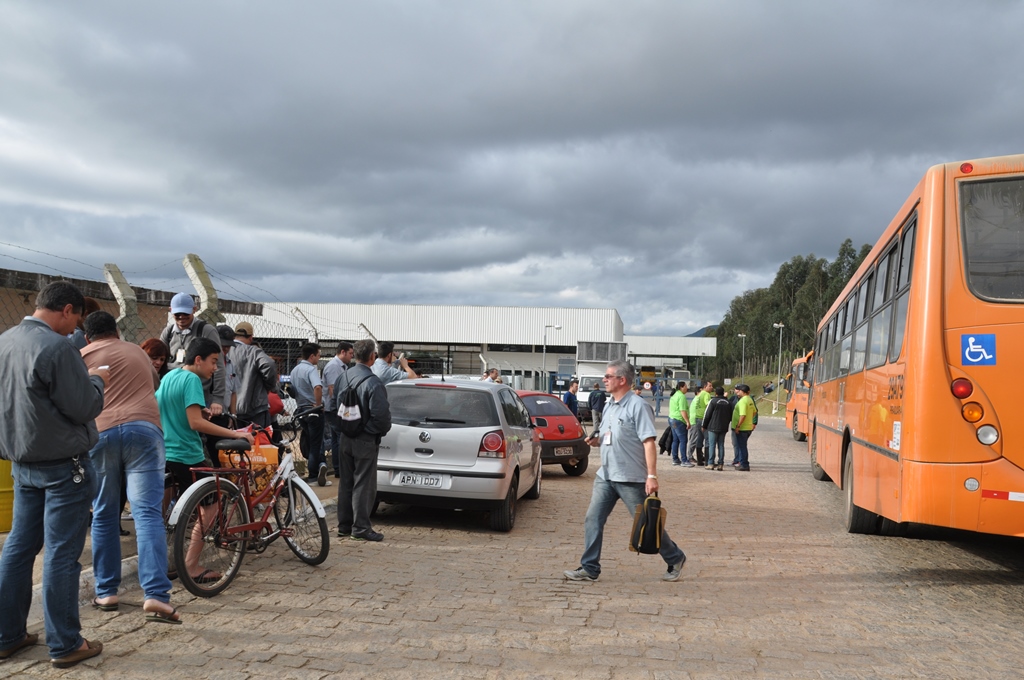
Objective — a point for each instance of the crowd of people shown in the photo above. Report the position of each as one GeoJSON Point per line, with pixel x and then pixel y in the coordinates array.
{"type": "Point", "coordinates": [697, 426]}
{"type": "Point", "coordinates": [95, 421]}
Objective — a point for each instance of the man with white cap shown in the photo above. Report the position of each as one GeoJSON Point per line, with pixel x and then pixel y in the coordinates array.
{"type": "Point", "coordinates": [180, 333]}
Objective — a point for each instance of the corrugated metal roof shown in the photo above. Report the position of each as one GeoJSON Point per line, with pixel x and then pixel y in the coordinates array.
{"type": "Point", "coordinates": [442, 323]}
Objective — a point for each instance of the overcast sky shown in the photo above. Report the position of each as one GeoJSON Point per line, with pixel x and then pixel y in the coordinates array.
{"type": "Point", "coordinates": [655, 157]}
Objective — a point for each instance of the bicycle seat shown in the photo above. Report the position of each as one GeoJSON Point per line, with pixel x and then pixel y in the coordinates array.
{"type": "Point", "coordinates": [232, 445]}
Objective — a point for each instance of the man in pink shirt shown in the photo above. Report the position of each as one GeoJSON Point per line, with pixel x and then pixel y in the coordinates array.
{"type": "Point", "coordinates": [130, 441]}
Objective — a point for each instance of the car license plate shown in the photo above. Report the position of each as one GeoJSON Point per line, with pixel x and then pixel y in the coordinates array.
{"type": "Point", "coordinates": [563, 450]}
{"type": "Point", "coordinates": [419, 479]}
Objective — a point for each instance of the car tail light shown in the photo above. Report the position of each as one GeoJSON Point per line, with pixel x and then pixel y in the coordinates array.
{"type": "Point", "coordinates": [972, 412]}
{"type": "Point", "coordinates": [492, 445]}
{"type": "Point", "coordinates": [540, 435]}
{"type": "Point", "coordinates": [962, 388]}
{"type": "Point", "coordinates": [581, 432]}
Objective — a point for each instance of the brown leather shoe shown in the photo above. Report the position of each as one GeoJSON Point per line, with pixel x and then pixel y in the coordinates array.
{"type": "Point", "coordinates": [91, 649]}
{"type": "Point", "coordinates": [30, 639]}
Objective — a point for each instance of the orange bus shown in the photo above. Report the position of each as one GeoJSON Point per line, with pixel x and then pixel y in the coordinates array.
{"type": "Point", "coordinates": [798, 387]}
{"type": "Point", "coordinates": [913, 409]}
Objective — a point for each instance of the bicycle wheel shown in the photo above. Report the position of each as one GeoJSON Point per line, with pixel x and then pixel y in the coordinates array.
{"type": "Point", "coordinates": [199, 539]}
{"type": "Point", "coordinates": [309, 540]}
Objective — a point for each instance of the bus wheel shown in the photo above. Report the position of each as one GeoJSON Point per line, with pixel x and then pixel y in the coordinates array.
{"type": "Point", "coordinates": [858, 520]}
{"type": "Point", "coordinates": [817, 471]}
{"type": "Point", "coordinates": [889, 528]}
{"type": "Point", "coordinates": [797, 434]}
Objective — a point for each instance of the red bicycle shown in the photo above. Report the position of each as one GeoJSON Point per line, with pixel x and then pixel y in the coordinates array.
{"type": "Point", "coordinates": [214, 526]}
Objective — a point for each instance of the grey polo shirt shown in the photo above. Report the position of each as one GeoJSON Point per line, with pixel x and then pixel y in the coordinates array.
{"type": "Point", "coordinates": [629, 421]}
{"type": "Point", "coordinates": [305, 378]}
{"type": "Point", "coordinates": [386, 372]}
{"type": "Point", "coordinates": [332, 371]}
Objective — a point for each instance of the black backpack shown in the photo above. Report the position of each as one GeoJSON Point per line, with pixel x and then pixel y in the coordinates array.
{"type": "Point", "coordinates": [352, 415]}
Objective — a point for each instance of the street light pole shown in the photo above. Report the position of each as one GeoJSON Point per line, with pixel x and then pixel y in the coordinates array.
{"type": "Point", "coordinates": [743, 358]}
{"type": "Point", "coordinates": [778, 379]}
{"type": "Point", "coordinates": [544, 355]}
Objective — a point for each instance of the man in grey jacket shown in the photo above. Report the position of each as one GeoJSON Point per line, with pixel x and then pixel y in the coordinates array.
{"type": "Point", "coordinates": [255, 377]}
{"type": "Point", "coordinates": [357, 486]}
{"type": "Point", "coordinates": [50, 401]}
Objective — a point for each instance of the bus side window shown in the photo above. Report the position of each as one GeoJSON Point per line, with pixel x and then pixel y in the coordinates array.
{"type": "Point", "coordinates": [899, 322]}
{"type": "Point", "coordinates": [906, 257]}
{"type": "Point", "coordinates": [865, 296]}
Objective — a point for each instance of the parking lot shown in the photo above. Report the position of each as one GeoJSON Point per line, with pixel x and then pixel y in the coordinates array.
{"type": "Point", "coordinates": [773, 587]}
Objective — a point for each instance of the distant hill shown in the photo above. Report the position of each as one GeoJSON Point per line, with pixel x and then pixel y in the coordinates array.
{"type": "Point", "coordinates": [703, 331]}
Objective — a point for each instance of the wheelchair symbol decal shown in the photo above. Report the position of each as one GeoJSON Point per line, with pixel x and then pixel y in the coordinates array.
{"type": "Point", "coordinates": [978, 350]}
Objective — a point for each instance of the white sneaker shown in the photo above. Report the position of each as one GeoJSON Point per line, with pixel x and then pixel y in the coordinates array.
{"type": "Point", "coordinates": [580, 574]}
{"type": "Point", "coordinates": [674, 571]}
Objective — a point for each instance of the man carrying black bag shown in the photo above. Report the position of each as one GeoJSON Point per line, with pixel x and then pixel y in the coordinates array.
{"type": "Point", "coordinates": [628, 471]}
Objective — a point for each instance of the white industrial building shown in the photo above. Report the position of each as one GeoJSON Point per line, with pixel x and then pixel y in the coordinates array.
{"type": "Point", "coordinates": [522, 342]}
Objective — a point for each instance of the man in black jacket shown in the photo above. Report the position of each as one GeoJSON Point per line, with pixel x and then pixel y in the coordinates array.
{"type": "Point", "coordinates": [716, 423]}
{"type": "Point", "coordinates": [357, 486]}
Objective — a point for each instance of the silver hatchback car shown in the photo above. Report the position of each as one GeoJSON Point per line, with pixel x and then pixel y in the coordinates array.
{"type": "Point", "coordinates": [459, 444]}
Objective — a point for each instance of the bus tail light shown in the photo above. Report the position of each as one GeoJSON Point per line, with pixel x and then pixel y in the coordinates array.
{"type": "Point", "coordinates": [966, 168]}
{"type": "Point", "coordinates": [972, 412]}
{"type": "Point", "coordinates": [492, 445]}
{"type": "Point", "coordinates": [962, 388]}
{"type": "Point", "coordinates": [988, 435]}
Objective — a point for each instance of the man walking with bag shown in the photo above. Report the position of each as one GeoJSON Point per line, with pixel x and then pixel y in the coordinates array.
{"type": "Point", "coordinates": [628, 471]}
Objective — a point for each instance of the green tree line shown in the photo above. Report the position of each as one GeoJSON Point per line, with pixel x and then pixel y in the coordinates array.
{"type": "Point", "coordinates": [803, 290]}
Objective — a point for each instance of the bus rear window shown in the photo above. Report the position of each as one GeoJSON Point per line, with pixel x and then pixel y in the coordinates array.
{"type": "Point", "coordinates": [992, 224]}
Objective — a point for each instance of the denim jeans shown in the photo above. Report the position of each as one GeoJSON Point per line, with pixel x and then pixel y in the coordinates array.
{"type": "Point", "coordinates": [657, 404]}
{"type": "Point", "coordinates": [49, 509]}
{"type": "Point", "coordinates": [678, 439]}
{"type": "Point", "coordinates": [137, 450]}
{"type": "Point", "coordinates": [716, 440]}
{"type": "Point", "coordinates": [735, 446]}
{"type": "Point", "coordinates": [742, 455]}
{"type": "Point", "coordinates": [312, 445]}
{"type": "Point", "coordinates": [601, 503]}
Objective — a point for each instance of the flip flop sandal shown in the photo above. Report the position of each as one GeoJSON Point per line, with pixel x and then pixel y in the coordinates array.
{"type": "Point", "coordinates": [208, 576]}
{"type": "Point", "coordinates": [164, 617]}
{"type": "Point", "coordinates": [109, 607]}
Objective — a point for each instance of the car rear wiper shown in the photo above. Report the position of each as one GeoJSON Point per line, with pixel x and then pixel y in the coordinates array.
{"type": "Point", "coordinates": [444, 420]}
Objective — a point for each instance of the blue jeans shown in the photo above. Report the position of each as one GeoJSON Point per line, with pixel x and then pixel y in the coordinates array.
{"type": "Point", "coordinates": [742, 455]}
{"type": "Point", "coordinates": [601, 503]}
{"type": "Point", "coordinates": [657, 404]}
{"type": "Point", "coordinates": [716, 440]}
{"type": "Point", "coordinates": [137, 449]}
{"type": "Point", "coordinates": [49, 509]}
{"type": "Point", "coordinates": [678, 439]}
{"type": "Point", "coordinates": [735, 446]}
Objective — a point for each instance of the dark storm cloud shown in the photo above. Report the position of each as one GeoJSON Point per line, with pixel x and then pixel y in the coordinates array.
{"type": "Point", "coordinates": [659, 157]}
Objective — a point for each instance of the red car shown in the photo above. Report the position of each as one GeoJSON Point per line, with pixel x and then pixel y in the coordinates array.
{"type": "Point", "coordinates": [563, 439]}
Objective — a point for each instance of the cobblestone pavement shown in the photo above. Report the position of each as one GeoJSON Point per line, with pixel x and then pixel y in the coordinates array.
{"type": "Point", "coordinates": [773, 587]}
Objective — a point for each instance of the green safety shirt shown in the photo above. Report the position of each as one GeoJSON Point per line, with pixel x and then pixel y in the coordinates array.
{"type": "Point", "coordinates": [745, 406]}
{"type": "Point", "coordinates": [699, 405]}
{"type": "Point", "coordinates": [676, 405]}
